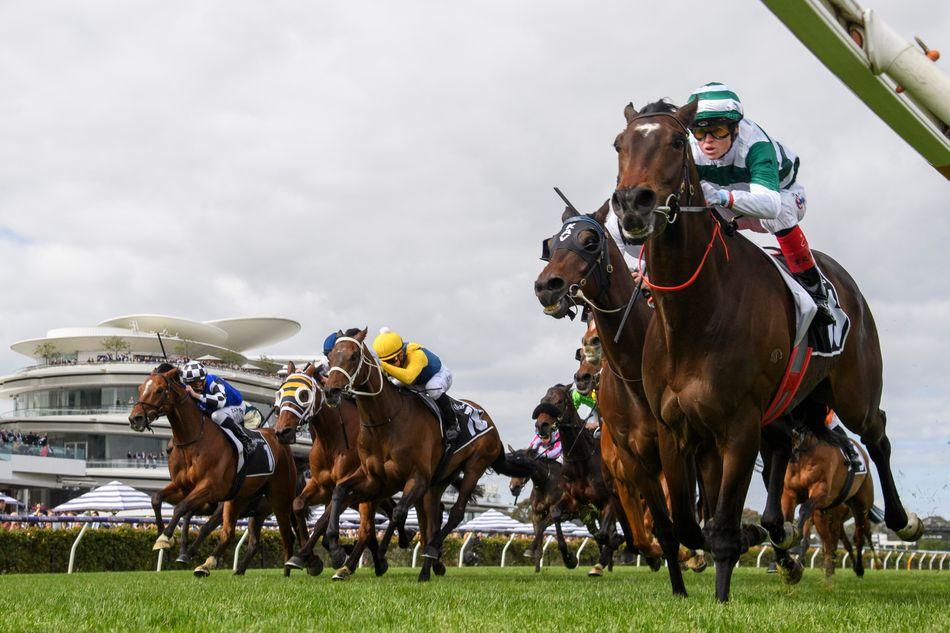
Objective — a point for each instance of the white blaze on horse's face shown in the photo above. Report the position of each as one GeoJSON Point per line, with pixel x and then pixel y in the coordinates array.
{"type": "Point", "coordinates": [146, 388]}
{"type": "Point", "coordinates": [646, 129]}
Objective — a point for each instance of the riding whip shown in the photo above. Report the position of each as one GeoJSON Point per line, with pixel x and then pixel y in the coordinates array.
{"type": "Point", "coordinates": [566, 201]}
{"type": "Point", "coordinates": [626, 313]}
{"type": "Point", "coordinates": [162, 345]}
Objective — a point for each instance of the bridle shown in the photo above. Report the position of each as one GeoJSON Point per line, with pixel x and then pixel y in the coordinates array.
{"type": "Point", "coordinates": [300, 401]}
{"type": "Point", "coordinates": [158, 409]}
{"type": "Point", "coordinates": [351, 378]}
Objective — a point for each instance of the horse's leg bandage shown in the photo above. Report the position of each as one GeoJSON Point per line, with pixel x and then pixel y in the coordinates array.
{"type": "Point", "coordinates": [795, 248]}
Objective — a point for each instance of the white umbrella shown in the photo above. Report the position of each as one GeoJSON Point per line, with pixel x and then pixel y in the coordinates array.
{"type": "Point", "coordinates": [10, 501]}
{"type": "Point", "coordinates": [114, 496]}
{"type": "Point", "coordinates": [493, 521]}
{"type": "Point", "coordinates": [208, 357]}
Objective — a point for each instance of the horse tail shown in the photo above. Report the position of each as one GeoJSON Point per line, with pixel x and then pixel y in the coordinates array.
{"type": "Point", "coordinates": [876, 515]}
{"type": "Point", "coordinates": [477, 492]}
{"type": "Point", "coordinates": [512, 466]}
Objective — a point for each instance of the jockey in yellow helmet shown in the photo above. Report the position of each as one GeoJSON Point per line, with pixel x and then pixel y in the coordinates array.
{"type": "Point", "coordinates": [418, 368]}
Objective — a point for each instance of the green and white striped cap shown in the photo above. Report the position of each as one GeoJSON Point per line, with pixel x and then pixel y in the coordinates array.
{"type": "Point", "coordinates": [716, 103]}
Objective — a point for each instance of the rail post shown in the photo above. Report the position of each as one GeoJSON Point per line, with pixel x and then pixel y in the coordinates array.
{"type": "Point", "coordinates": [886, 558]}
{"type": "Point", "coordinates": [638, 560]}
{"type": "Point", "coordinates": [504, 550]}
{"type": "Point", "coordinates": [844, 560]}
{"type": "Point", "coordinates": [581, 548]}
{"type": "Point", "coordinates": [72, 550]}
{"type": "Point", "coordinates": [415, 553]}
{"type": "Point", "coordinates": [897, 563]}
{"type": "Point", "coordinates": [161, 559]}
{"type": "Point", "coordinates": [547, 542]}
{"type": "Point", "coordinates": [468, 537]}
{"type": "Point", "coordinates": [943, 558]}
{"type": "Point", "coordinates": [811, 564]}
{"type": "Point", "coordinates": [758, 559]}
{"type": "Point", "coordinates": [237, 548]}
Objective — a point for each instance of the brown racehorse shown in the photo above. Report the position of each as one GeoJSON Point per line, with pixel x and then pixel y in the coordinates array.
{"type": "Point", "coordinates": [582, 477]}
{"type": "Point", "coordinates": [819, 479]}
{"type": "Point", "coordinates": [401, 449]}
{"type": "Point", "coordinates": [724, 323]}
{"type": "Point", "coordinates": [333, 456]}
{"type": "Point", "coordinates": [586, 265]}
{"type": "Point", "coordinates": [831, 530]}
{"type": "Point", "coordinates": [208, 465]}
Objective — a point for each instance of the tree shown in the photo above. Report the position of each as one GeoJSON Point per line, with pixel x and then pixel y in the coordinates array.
{"type": "Point", "coordinates": [185, 349]}
{"type": "Point", "coordinates": [268, 365]}
{"type": "Point", "coordinates": [116, 345]}
{"type": "Point", "coordinates": [522, 511]}
{"type": "Point", "coordinates": [232, 358]}
{"type": "Point", "coordinates": [47, 351]}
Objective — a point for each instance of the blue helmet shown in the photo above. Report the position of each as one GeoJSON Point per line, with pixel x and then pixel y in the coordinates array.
{"type": "Point", "coordinates": [329, 342]}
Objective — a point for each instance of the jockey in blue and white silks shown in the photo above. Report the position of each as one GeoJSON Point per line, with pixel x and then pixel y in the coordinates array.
{"type": "Point", "coordinates": [215, 397]}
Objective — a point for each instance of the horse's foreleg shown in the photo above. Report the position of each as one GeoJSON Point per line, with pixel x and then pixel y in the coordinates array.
{"type": "Point", "coordinates": [341, 498]}
{"type": "Point", "coordinates": [413, 491]}
{"type": "Point", "coordinates": [908, 526]}
{"type": "Point", "coordinates": [725, 532]}
{"type": "Point", "coordinates": [663, 528]}
{"type": "Point", "coordinates": [433, 509]}
{"type": "Point", "coordinates": [207, 528]}
{"type": "Point", "coordinates": [196, 499]}
{"type": "Point", "coordinates": [305, 555]}
{"type": "Point", "coordinates": [681, 481]}
{"type": "Point", "coordinates": [254, 524]}
{"type": "Point", "coordinates": [183, 545]}
{"type": "Point", "coordinates": [171, 491]}
{"type": "Point", "coordinates": [228, 521]}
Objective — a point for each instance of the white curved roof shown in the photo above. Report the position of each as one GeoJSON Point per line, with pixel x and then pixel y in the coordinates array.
{"type": "Point", "coordinates": [139, 331]}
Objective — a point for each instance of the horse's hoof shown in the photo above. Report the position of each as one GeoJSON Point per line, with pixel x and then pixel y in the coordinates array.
{"type": "Point", "coordinates": [791, 575]}
{"type": "Point", "coordinates": [315, 570]}
{"type": "Point", "coordinates": [343, 573]}
{"type": "Point", "coordinates": [570, 561]}
{"type": "Point", "coordinates": [295, 562]}
{"type": "Point", "coordinates": [596, 571]}
{"type": "Point", "coordinates": [792, 536]}
{"type": "Point", "coordinates": [184, 559]}
{"type": "Point", "coordinates": [627, 557]}
{"type": "Point", "coordinates": [752, 535]}
{"type": "Point", "coordinates": [913, 530]}
{"type": "Point", "coordinates": [202, 572]}
{"type": "Point", "coordinates": [430, 552]}
{"type": "Point", "coordinates": [405, 538]}
{"type": "Point", "coordinates": [338, 558]}
{"type": "Point", "coordinates": [382, 566]}
{"type": "Point", "coordinates": [423, 576]}
{"type": "Point", "coordinates": [697, 563]}
{"type": "Point", "coordinates": [528, 553]}
{"type": "Point", "coordinates": [241, 572]}
{"type": "Point", "coordinates": [163, 542]}
{"type": "Point", "coordinates": [439, 568]}
{"type": "Point", "coordinates": [654, 563]}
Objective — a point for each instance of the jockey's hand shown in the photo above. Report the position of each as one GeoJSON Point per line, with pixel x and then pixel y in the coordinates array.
{"type": "Point", "coordinates": [192, 392]}
{"type": "Point", "coordinates": [637, 276]}
{"type": "Point", "coordinates": [719, 198]}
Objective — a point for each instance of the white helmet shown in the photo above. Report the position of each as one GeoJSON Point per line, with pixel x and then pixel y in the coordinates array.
{"type": "Point", "coordinates": [192, 371]}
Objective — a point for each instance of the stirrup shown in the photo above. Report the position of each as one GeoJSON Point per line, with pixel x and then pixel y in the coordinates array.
{"type": "Point", "coordinates": [824, 315]}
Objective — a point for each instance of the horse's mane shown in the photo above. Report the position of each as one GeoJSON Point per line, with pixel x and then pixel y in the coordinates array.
{"type": "Point", "coordinates": [661, 105]}
{"type": "Point", "coordinates": [353, 331]}
{"type": "Point", "coordinates": [161, 369]}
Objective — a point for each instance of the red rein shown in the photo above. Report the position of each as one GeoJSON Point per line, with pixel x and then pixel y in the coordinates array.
{"type": "Point", "coordinates": [717, 232]}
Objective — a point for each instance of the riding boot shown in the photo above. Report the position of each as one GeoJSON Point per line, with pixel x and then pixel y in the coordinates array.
{"type": "Point", "coordinates": [811, 282]}
{"type": "Point", "coordinates": [854, 460]}
{"type": "Point", "coordinates": [240, 433]}
{"type": "Point", "coordinates": [450, 422]}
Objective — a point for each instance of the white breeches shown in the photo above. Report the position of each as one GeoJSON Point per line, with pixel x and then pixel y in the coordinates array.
{"type": "Point", "coordinates": [236, 413]}
{"type": "Point", "coordinates": [439, 384]}
{"type": "Point", "coordinates": [791, 212]}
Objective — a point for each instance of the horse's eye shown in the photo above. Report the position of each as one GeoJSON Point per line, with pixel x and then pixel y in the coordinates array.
{"type": "Point", "coordinates": [591, 244]}
{"type": "Point", "coordinates": [617, 144]}
{"type": "Point", "coordinates": [678, 143]}
{"type": "Point", "coordinates": [353, 356]}
{"type": "Point", "coordinates": [595, 341]}
{"type": "Point", "coordinates": [160, 390]}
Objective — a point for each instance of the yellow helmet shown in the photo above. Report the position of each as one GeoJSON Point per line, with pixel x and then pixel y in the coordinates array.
{"type": "Point", "coordinates": [387, 344]}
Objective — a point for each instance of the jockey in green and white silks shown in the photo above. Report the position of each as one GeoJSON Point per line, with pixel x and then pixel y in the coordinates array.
{"type": "Point", "coordinates": [743, 170]}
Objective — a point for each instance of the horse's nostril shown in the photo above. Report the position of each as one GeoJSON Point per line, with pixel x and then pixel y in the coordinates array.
{"type": "Point", "coordinates": [555, 284]}
{"type": "Point", "coordinates": [645, 199]}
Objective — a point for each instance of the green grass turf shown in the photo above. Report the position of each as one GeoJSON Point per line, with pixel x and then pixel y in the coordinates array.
{"type": "Point", "coordinates": [483, 599]}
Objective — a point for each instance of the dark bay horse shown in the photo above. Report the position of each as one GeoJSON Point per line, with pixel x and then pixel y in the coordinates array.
{"type": "Point", "coordinates": [333, 455]}
{"type": "Point", "coordinates": [208, 465]}
{"type": "Point", "coordinates": [717, 349]}
{"type": "Point", "coordinates": [547, 490]}
{"type": "Point", "coordinates": [401, 449]}
{"type": "Point", "coordinates": [819, 479]}
{"type": "Point", "coordinates": [585, 265]}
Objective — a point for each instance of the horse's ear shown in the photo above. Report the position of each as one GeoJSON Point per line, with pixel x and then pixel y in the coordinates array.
{"type": "Point", "coordinates": [311, 369]}
{"type": "Point", "coordinates": [291, 368]}
{"type": "Point", "coordinates": [687, 113]}
{"type": "Point", "coordinates": [172, 374]}
{"type": "Point", "coordinates": [361, 335]}
{"type": "Point", "coordinates": [510, 449]}
{"type": "Point", "coordinates": [629, 112]}
{"type": "Point", "coordinates": [568, 213]}
{"type": "Point", "coordinates": [601, 214]}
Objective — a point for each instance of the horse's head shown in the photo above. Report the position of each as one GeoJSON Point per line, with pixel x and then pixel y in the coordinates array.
{"type": "Point", "coordinates": [158, 395]}
{"type": "Point", "coordinates": [299, 398]}
{"type": "Point", "coordinates": [587, 376]}
{"type": "Point", "coordinates": [654, 163]}
{"type": "Point", "coordinates": [590, 344]}
{"type": "Point", "coordinates": [552, 411]}
{"type": "Point", "coordinates": [350, 365]}
{"type": "Point", "coordinates": [517, 484]}
{"type": "Point", "coordinates": [578, 260]}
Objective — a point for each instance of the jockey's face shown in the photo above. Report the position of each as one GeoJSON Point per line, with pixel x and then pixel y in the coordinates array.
{"type": "Point", "coordinates": [398, 360]}
{"type": "Point", "coordinates": [714, 148]}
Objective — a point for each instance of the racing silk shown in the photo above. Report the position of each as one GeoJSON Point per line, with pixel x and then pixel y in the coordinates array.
{"type": "Point", "coordinates": [218, 393]}
{"type": "Point", "coordinates": [754, 170]}
{"type": "Point", "coordinates": [421, 366]}
{"type": "Point", "coordinates": [578, 399]}
{"type": "Point", "coordinates": [551, 450]}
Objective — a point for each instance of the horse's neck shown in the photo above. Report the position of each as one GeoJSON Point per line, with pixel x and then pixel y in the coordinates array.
{"type": "Point", "coordinates": [575, 444]}
{"type": "Point", "coordinates": [185, 421]}
{"type": "Point", "coordinates": [326, 428]}
{"type": "Point", "coordinates": [627, 353]}
{"type": "Point", "coordinates": [379, 410]}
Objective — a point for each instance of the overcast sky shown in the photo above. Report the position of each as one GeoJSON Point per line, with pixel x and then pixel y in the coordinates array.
{"type": "Point", "coordinates": [348, 164]}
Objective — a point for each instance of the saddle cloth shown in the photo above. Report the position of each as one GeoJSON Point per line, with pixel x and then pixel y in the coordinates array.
{"type": "Point", "coordinates": [259, 462]}
{"type": "Point", "coordinates": [826, 341]}
{"type": "Point", "coordinates": [471, 423]}
{"type": "Point", "coordinates": [863, 469]}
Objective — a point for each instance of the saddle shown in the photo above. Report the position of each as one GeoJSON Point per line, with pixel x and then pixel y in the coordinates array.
{"type": "Point", "coordinates": [257, 461]}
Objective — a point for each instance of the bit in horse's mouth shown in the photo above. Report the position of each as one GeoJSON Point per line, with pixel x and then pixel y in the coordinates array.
{"type": "Point", "coordinates": [639, 234]}
{"type": "Point", "coordinates": [553, 308]}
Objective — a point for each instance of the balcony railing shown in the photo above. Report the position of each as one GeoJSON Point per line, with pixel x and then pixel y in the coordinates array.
{"type": "Point", "coordinates": [146, 360]}
{"type": "Point", "coordinates": [41, 412]}
{"type": "Point", "coordinates": [35, 450]}
{"type": "Point", "coordinates": [146, 463]}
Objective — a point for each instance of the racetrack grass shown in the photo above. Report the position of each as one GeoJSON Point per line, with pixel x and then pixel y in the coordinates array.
{"type": "Point", "coordinates": [482, 599]}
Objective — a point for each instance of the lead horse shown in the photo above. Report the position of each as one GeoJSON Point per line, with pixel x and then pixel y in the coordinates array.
{"type": "Point", "coordinates": [724, 321]}
{"type": "Point", "coordinates": [206, 471]}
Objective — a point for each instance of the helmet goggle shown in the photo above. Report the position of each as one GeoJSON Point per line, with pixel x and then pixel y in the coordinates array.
{"type": "Point", "coordinates": [718, 132]}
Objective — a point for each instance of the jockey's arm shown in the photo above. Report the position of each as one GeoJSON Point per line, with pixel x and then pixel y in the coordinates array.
{"type": "Point", "coordinates": [762, 201]}
{"type": "Point", "coordinates": [416, 361]}
{"type": "Point", "coordinates": [214, 397]}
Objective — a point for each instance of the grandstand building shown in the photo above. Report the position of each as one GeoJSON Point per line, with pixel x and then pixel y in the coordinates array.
{"type": "Point", "coordinates": [64, 419]}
